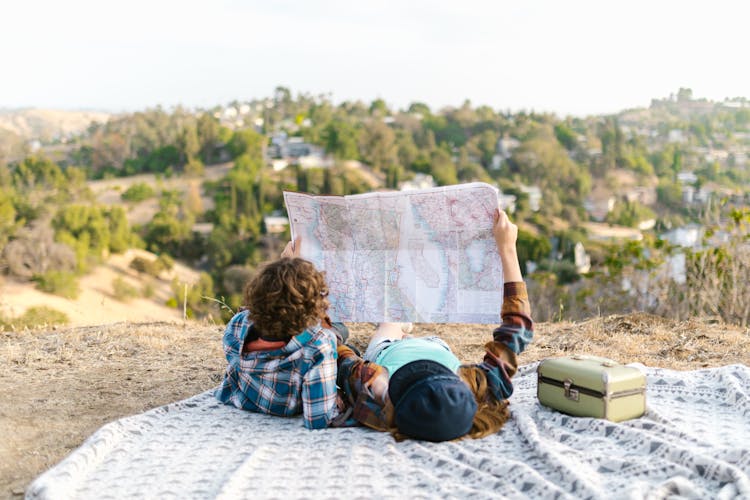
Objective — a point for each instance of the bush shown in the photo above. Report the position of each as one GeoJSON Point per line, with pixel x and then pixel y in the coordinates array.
{"type": "Point", "coordinates": [35, 252]}
{"type": "Point", "coordinates": [138, 192]}
{"type": "Point", "coordinates": [142, 265]}
{"type": "Point", "coordinates": [153, 267]}
{"type": "Point", "coordinates": [123, 290]}
{"type": "Point", "coordinates": [164, 262]}
{"type": "Point", "coordinates": [235, 278]}
{"type": "Point", "coordinates": [35, 317]}
{"type": "Point", "coordinates": [198, 296]}
{"type": "Point", "coordinates": [60, 283]}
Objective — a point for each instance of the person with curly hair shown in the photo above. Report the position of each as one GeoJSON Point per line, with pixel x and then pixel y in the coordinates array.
{"type": "Point", "coordinates": [281, 347]}
{"type": "Point", "coordinates": [417, 388]}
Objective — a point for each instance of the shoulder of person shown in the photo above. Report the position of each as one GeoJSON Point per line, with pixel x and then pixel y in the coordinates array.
{"type": "Point", "coordinates": [323, 338]}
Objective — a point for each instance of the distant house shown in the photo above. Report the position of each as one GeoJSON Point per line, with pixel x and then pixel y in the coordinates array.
{"type": "Point", "coordinates": [296, 147]}
{"type": "Point", "coordinates": [503, 150]}
{"type": "Point", "coordinates": [641, 194]}
{"type": "Point", "coordinates": [720, 155]}
{"type": "Point", "coordinates": [740, 157]}
{"type": "Point", "coordinates": [676, 135]}
{"type": "Point", "coordinates": [582, 259]}
{"type": "Point", "coordinates": [279, 165]}
{"type": "Point", "coordinates": [685, 177]}
{"type": "Point", "coordinates": [275, 224]}
{"type": "Point", "coordinates": [203, 228]}
{"type": "Point", "coordinates": [598, 207]}
{"type": "Point", "coordinates": [507, 202]}
{"type": "Point", "coordinates": [315, 161]}
{"type": "Point", "coordinates": [688, 194]}
{"type": "Point", "coordinates": [497, 162]}
{"type": "Point", "coordinates": [535, 196]}
{"type": "Point", "coordinates": [701, 196]}
{"type": "Point", "coordinates": [688, 236]}
{"type": "Point", "coordinates": [295, 151]}
{"type": "Point", "coordinates": [420, 181]}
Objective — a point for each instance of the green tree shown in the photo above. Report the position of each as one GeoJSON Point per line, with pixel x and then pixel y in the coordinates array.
{"type": "Point", "coordinates": [167, 233]}
{"type": "Point", "coordinates": [532, 248]}
{"type": "Point", "coordinates": [8, 222]}
{"type": "Point", "coordinates": [442, 168]}
{"type": "Point", "coordinates": [246, 141]}
{"type": "Point", "coordinates": [85, 228]}
{"type": "Point", "coordinates": [208, 137]}
{"type": "Point", "coordinates": [120, 234]}
{"type": "Point", "coordinates": [630, 214]}
{"type": "Point", "coordinates": [669, 194]}
{"type": "Point", "coordinates": [38, 172]}
{"type": "Point", "coordinates": [378, 145]}
{"type": "Point", "coordinates": [378, 107]}
{"type": "Point", "coordinates": [340, 140]}
{"type": "Point", "coordinates": [566, 136]}
{"type": "Point", "coordinates": [190, 145]}
{"type": "Point", "coordinates": [421, 108]}
{"type": "Point", "coordinates": [137, 192]}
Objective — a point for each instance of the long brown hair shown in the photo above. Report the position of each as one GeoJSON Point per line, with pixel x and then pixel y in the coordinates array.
{"type": "Point", "coordinates": [491, 413]}
{"type": "Point", "coordinates": [285, 297]}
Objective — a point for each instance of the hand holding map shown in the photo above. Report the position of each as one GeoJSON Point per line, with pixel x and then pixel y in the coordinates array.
{"type": "Point", "coordinates": [408, 256]}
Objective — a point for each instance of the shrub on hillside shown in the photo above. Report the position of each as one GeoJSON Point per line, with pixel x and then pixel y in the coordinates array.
{"type": "Point", "coordinates": [35, 317]}
{"type": "Point", "coordinates": [164, 262]}
{"type": "Point", "coordinates": [123, 291]}
{"type": "Point", "coordinates": [60, 283]}
{"type": "Point", "coordinates": [138, 192]}
{"type": "Point", "coordinates": [235, 277]}
{"type": "Point", "coordinates": [196, 298]}
{"type": "Point", "coordinates": [153, 267]}
{"type": "Point", "coordinates": [34, 252]}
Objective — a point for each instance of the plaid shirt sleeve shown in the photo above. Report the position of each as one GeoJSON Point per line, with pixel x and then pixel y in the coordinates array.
{"type": "Point", "coordinates": [356, 378]}
{"type": "Point", "coordinates": [319, 386]}
{"type": "Point", "coordinates": [510, 339]}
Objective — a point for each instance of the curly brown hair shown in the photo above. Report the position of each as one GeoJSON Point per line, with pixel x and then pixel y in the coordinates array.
{"type": "Point", "coordinates": [491, 414]}
{"type": "Point", "coordinates": [285, 297]}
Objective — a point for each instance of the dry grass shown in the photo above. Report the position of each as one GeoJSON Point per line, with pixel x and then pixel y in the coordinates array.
{"type": "Point", "coordinates": [59, 386]}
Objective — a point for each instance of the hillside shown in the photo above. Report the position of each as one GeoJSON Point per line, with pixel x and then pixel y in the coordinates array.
{"type": "Point", "coordinates": [48, 124]}
{"type": "Point", "coordinates": [97, 303]}
{"type": "Point", "coordinates": [75, 380]}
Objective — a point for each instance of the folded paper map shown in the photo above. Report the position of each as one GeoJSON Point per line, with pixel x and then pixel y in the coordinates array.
{"type": "Point", "coordinates": [423, 255]}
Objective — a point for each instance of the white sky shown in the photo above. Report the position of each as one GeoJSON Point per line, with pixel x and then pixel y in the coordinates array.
{"type": "Point", "coordinates": [565, 56]}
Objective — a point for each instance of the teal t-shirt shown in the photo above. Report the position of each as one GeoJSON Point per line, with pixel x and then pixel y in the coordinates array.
{"type": "Point", "coordinates": [412, 349]}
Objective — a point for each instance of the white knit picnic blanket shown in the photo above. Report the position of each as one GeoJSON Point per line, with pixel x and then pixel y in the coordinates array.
{"type": "Point", "coordinates": [694, 442]}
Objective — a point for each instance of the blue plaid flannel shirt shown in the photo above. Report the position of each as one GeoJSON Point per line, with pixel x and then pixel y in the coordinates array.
{"type": "Point", "coordinates": [300, 377]}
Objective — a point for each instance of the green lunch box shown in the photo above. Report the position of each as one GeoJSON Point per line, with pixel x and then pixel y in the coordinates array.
{"type": "Point", "coordinates": [591, 386]}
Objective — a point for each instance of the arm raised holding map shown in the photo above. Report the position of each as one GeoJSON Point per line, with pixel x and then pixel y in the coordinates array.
{"type": "Point", "coordinates": [424, 256]}
{"type": "Point", "coordinates": [415, 387]}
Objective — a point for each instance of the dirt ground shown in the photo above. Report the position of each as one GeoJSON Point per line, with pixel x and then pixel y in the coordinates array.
{"type": "Point", "coordinates": [59, 386]}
